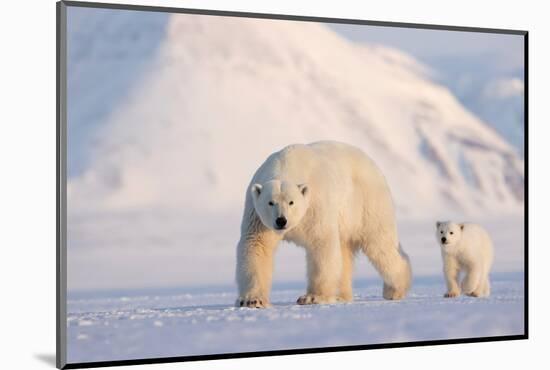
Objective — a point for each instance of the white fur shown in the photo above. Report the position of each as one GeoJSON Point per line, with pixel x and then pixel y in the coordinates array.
{"type": "Point", "coordinates": [341, 204]}
{"type": "Point", "coordinates": [467, 248]}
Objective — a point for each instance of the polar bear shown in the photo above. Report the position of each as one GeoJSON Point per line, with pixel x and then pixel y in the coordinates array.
{"type": "Point", "coordinates": [331, 199]}
{"type": "Point", "coordinates": [465, 247]}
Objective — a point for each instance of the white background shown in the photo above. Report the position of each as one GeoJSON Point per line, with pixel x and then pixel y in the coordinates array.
{"type": "Point", "coordinates": [27, 192]}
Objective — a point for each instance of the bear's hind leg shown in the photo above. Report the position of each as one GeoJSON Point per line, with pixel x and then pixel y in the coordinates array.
{"type": "Point", "coordinates": [393, 266]}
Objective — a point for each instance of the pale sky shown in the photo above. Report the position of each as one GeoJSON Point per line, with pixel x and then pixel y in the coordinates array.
{"type": "Point", "coordinates": [431, 45]}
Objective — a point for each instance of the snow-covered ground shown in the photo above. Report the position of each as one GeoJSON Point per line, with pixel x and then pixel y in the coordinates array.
{"type": "Point", "coordinates": [196, 321]}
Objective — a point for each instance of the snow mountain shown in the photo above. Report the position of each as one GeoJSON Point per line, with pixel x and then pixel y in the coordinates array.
{"type": "Point", "coordinates": [500, 102]}
{"type": "Point", "coordinates": [196, 104]}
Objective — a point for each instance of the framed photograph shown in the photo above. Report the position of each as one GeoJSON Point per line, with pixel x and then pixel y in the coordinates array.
{"type": "Point", "coordinates": [237, 184]}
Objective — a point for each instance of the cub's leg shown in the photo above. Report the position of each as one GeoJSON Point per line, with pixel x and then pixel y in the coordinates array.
{"type": "Point", "coordinates": [471, 285]}
{"type": "Point", "coordinates": [451, 270]}
{"type": "Point", "coordinates": [483, 289]}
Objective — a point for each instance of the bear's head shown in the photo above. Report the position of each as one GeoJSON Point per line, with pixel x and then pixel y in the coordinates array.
{"type": "Point", "coordinates": [448, 233]}
{"type": "Point", "coordinates": [280, 204]}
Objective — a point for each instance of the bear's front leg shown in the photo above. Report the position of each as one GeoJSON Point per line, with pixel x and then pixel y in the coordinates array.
{"type": "Point", "coordinates": [255, 268]}
{"type": "Point", "coordinates": [324, 269]}
{"type": "Point", "coordinates": [451, 270]}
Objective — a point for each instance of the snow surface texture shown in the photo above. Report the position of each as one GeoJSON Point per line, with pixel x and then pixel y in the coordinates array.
{"type": "Point", "coordinates": [170, 115]}
{"type": "Point", "coordinates": [198, 322]}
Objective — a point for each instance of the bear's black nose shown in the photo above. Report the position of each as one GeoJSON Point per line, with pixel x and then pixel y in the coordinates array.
{"type": "Point", "coordinates": [281, 222]}
{"type": "Point", "coordinates": [443, 240]}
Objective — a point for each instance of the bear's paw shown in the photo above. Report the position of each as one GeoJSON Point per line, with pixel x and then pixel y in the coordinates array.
{"type": "Point", "coordinates": [252, 302]}
{"type": "Point", "coordinates": [451, 294]}
{"type": "Point", "coordinates": [316, 299]}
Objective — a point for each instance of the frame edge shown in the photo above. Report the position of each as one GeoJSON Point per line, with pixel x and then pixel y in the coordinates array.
{"type": "Point", "coordinates": [61, 225]}
{"type": "Point", "coordinates": [288, 17]}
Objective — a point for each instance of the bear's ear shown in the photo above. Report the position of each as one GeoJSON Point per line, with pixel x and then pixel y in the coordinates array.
{"type": "Point", "coordinates": [256, 190]}
{"type": "Point", "coordinates": [437, 224]}
{"type": "Point", "coordinates": [303, 189]}
{"type": "Point", "coordinates": [461, 226]}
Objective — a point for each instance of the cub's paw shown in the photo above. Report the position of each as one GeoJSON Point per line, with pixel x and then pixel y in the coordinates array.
{"type": "Point", "coordinates": [252, 302]}
{"type": "Point", "coordinates": [316, 299]}
{"type": "Point", "coordinates": [452, 294]}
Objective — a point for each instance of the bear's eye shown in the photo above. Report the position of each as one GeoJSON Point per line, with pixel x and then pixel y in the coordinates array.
{"type": "Point", "coordinates": [291, 203]}
{"type": "Point", "coordinates": [271, 203]}
{"type": "Point", "coordinates": [452, 233]}
{"type": "Point", "coordinates": [441, 231]}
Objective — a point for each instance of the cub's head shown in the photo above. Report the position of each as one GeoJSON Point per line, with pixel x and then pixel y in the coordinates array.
{"type": "Point", "coordinates": [280, 204]}
{"type": "Point", "coordinates": [448, 233]}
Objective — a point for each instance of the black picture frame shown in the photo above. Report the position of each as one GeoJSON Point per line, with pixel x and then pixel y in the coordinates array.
{"type": "Point", "coordinates": [61, 191]}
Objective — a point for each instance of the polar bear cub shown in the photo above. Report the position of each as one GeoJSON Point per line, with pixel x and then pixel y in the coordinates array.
{"type": "Point", "coordinates": [467, 248]}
